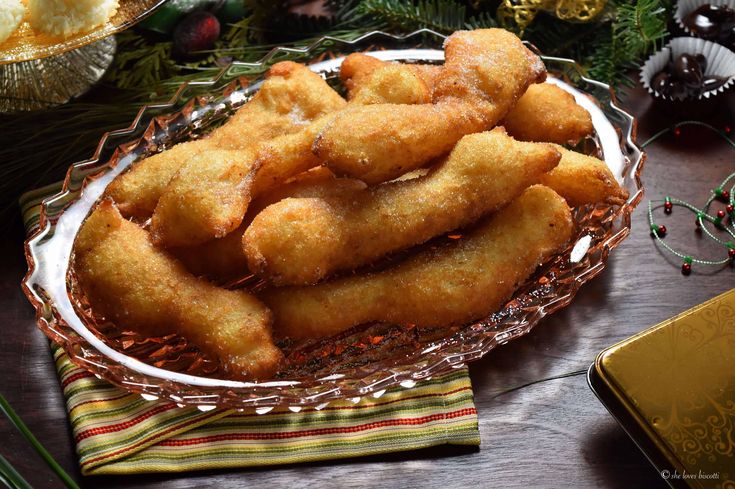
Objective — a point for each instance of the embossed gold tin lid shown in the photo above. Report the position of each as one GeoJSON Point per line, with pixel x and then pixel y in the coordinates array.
{"type": "Point", "coordinates": [672, 388]}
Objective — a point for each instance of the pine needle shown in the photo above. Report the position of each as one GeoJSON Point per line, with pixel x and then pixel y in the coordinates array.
{"type": "Point", "coordinates": [439, 15]}
{"type": "Point", "coordinates": [10, 477]}
{"type": "Point", "coordinates": [21, 426]}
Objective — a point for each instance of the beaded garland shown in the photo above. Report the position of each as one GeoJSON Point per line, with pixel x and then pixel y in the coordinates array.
{"type": "Point", "coordinates": [723, 220]}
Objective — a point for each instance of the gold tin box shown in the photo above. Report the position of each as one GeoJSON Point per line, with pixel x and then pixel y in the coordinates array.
{"type": "Point", "coordinates": [672, 388]}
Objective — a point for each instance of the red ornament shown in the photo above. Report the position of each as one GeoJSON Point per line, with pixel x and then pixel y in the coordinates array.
{"type": "Point", "coordinates": [731, 253]}
{"type": "Point", "coordinates": [721, 214]}
{"type": "Point", "coordinates": [728, 129]}
{"type": "Point", "coordinates": [198, 31]}
{"type": "Point", "coordinates": [677, 131]}
{"type": "Point", "coordinates": [730, 208]}
{"type": "Point", "coordinates": [668, 207]}
{"type": "Point", "coordinates": [662, 230]}
{"type": "Point", "coordinates": [686, 269]}
{"type": "Point", "coordinates": [725, 194]}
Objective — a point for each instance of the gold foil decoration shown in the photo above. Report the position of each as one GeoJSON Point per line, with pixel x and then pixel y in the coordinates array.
{"type": "Point", "coordinates": [522, 12]}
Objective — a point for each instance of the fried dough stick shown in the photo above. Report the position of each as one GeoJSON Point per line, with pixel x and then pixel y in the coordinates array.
{"type": "Point", "coordinates": [544, 114]}
{"type": "Point", "coordinates": [357, 68]}
{"type": "Point", "coordinates": [141, 288]}
{"type": "Point", "coordinates": [300, 241]}
{"type": "Point", "coordinates": [206, 199]}
{"type": "Point", "coordinates": [548, 114]}
{"type": "Point", "coordinates": [176, 224]}
{"type": "Point", "coordinates": [446, 286]}
{"type": "Point", "coordinates": [583, 179]}
{"type": "Point", "coordinates": [290, 97]}
{"type": "Point", "coordinates": [485, 73]}
{"type": "Point", "coordinates": [224, 259]}
{"type": "Point", "coordinates": [289, 155]}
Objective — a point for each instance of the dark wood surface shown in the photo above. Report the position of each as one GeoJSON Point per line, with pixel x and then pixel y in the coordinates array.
{"type": "Point", "coordinates": [550, 434]}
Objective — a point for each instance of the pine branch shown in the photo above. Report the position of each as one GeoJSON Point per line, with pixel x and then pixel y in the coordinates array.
{"type": "Point", "coordinates": [636, 30]}
{"type": "Point", "coordinates": [439, 15]}
{"type": "Point", "coordinates": [140, 62]}
{"type": "Point", "coordinates": [483, 20]}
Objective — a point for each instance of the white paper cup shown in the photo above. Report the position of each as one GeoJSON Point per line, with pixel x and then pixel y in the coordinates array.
{"type": "Point", "coordinates": [685, 7]}
{"type": "Point", "coordinates": [720, 63]}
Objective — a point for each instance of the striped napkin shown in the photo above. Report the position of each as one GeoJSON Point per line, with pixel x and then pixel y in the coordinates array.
{"type": "Point", "coordinates": [118, 432]}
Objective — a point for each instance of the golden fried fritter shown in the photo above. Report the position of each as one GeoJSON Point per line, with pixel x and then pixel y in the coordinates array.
{"type": "Point", "coordinates": [446, 286]}
{"type": "Point", "coordinates": [583, 179]}
{"type": "Point", "coordinates": [138, 287]}
{"type": "Point", "coordinates": [289, 155]}
{"type": "Point", "coordinates": [290, 97]}
{"type": "Point", "coordinates": [286, 156]}
{"type": "Point", "coordinates": [300, 241]}
{"type": "Point", "coordinates": [357, 68]}
{"type": "Point", "coordinates": [548, 114]}
{"type": "Point", "coordinates": [206, 199]}
{"type": "Point", "coordinates": [224, 259]}
{"type": "Point", "coordinates": [485, 73]}
{"type": "Point", "coordinates": [391, 84]}
{"type": "Point", "coordinates": [276, 160]}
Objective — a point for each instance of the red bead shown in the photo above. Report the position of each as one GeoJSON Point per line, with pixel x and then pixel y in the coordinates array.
{"type": "Point", "coordinates": [730, 208]}
{"type": "Point", "coordinates": [661, 230]}
{"type": "Point", "coordinates": [677, 131]}
{"type": "Point", "coordinates": [686, 269]}
{"type": "Point", "coordinates": [668, 207]}
{"type": "Point", "coordinates": [721, 214]}
{"type": "Point", "coordinates": [725, 194]}
{"type": "Point", "coordinates": [731, 253]}
{"type": "Point", "coordinates": [728, 129]}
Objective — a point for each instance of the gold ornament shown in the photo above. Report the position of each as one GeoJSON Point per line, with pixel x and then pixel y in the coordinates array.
{"type": "Point", "coordinates": [522, 12]}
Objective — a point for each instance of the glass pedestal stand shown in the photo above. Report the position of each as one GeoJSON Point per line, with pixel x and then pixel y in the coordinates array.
{"type": "Point", "coordinates": [54, 80]}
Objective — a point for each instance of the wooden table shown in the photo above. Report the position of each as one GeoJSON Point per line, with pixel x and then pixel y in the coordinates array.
{"type": "Point", "coordinates": [552, 433]}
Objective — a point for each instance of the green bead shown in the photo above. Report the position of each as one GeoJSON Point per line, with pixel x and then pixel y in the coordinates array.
{"type": "Point", "coordinates": [667, 199]}
{"type": "Point", "coordinates": [654, 227]}
{"type": "Point", "coordinates": [730, 245]}
{"type": "Point", "coordinates": [718, 191]}
{"type": "Point", "coordinates": [700, 215]}
{"type": "Point", "coordinates": [688, 259]}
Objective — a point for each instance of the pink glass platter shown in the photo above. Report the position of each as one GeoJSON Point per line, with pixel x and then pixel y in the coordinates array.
{"type": "Point", "coordinates": [354, 364]}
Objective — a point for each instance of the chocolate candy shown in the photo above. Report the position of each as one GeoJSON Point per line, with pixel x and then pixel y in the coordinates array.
{"type": "Point", "coordinates": [713, 22]}
{"type": "Point", "coordinates": [684, 77]}
{"type": "Point", "coordinates": [688, 70]}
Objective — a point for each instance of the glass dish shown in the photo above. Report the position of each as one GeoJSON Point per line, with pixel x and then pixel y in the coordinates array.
{"type": "Point", "coordinates": [363, 361]}
{"type": "Point", "coordinates": [25, 45]}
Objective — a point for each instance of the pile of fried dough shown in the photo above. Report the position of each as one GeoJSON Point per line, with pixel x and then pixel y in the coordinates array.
{"type": "Point", "coordinates": [307, 190]}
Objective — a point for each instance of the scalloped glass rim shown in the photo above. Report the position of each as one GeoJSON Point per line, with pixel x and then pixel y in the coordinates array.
{"type": "Point", "coordinates": [552, 287]}
{"type": "Point", "coordinates": [25, 45]}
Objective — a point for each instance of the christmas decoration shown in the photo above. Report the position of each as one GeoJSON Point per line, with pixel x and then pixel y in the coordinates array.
{"type": "Point", "coordinates": [522, 12]}
{"type": "Point", "coordinates": [723, 193]}
{"type": "Point", "coordinates": [197, 31]}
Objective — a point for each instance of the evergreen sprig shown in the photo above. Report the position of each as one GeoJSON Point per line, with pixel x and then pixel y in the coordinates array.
{"type": "Point", "coordinates": [141, 63]}
{"type": "Point", "coordinates": [636, 29]}
{"type": "Point", "coordinates": [439, 15]}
